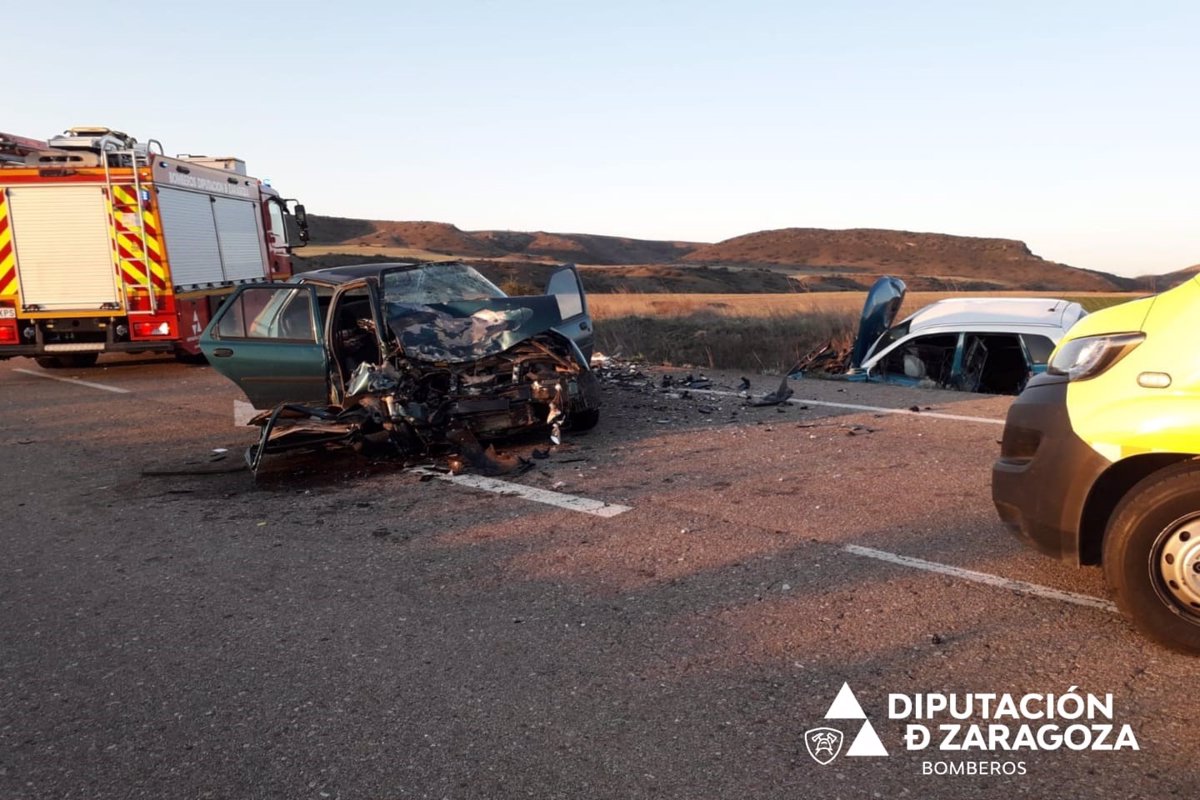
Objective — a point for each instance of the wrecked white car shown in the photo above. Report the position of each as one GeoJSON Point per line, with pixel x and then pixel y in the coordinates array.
{"type": "Point", "coordinates": [413, 359]}
{"type": "Point", "coordinates": [971, 344]}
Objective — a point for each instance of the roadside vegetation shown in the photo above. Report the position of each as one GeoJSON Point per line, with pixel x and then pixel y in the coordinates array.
{"type": "Point", "coordinates": [770, 343]}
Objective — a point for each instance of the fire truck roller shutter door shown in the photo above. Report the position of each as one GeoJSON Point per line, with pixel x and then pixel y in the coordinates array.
{"type": "Point", "coordinates": [240, 239]}
{"type": "Point", "coordinates": [191, 236]}
{"type": "Point", "coordinates": [63, 251]}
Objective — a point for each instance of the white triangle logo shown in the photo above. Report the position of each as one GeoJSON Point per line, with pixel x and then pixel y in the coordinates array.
{"type": "Point", "coordinates": [867, 742]}
{"type": "Point", "coordinates": [845, 705]}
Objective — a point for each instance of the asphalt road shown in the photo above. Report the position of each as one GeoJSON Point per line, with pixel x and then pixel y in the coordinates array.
{"type": "Point", "coordinates": [340, 629]}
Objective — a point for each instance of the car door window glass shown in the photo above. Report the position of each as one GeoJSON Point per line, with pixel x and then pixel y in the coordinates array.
{"type": "Point", "coordinates": [565, 288]}
{"type": "Point", "coordinates": [278, 229]}
{"type": "Point", "coordinates": [1039, 348]}
{"type": "Point", "coordinates": [269, 313]}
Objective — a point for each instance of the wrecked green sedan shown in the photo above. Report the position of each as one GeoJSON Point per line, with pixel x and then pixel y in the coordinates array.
{"type": "Point", "coordinates": [408, 358]}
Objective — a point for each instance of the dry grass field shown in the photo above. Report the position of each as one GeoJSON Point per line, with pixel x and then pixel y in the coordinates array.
{"type": "Point", "coordinates": [611, 306]}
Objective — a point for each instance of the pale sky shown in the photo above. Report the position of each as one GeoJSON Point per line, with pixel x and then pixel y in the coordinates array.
{"type": "Point", "coordinates": [1069, 125]}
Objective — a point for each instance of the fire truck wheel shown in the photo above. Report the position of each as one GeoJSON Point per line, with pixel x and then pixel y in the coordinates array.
{"type": "Point", "coordinates": [72, 361]}
{"type": "Point", "coordinates": [184, 357]}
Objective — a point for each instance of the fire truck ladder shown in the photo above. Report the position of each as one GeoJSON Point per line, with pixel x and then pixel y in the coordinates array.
{"type": "Point", "coordinates": [135, 160]}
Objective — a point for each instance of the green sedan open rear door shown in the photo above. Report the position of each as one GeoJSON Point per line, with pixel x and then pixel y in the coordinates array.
{"type": "Point", "coordinates": [265, 339]}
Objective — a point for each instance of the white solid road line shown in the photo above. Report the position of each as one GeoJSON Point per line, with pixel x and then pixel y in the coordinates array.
{"type": "Point", "coordinates": [571, 502]}
{"type": "Point", "coordinates": [982, 577]}
{"type": "Point", "coordinates": [857, 407]}
{"type": "Point", "coordinates": [243, 412]}
{"type": "Point", "coordinates": [76, 381]}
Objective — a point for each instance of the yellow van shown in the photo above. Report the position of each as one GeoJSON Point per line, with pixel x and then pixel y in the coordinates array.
{"type": "Point", "coordinates": [1098, 463]}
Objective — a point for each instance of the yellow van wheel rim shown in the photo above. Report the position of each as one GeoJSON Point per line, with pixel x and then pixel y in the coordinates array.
{"type": "Point", "coordinates": [1177, 563]}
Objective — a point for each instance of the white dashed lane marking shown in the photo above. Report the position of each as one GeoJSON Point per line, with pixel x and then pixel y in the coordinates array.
{"type": "Point", "coordinates": [584, 505]}
{"type": "Point", "coordinates": [76, 381]}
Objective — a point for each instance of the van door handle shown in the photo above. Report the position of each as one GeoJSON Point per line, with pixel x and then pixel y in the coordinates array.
{"type": "Point", "coordinates": [222, 352]}
{"type": "Point", "coordinates": [583, 326]}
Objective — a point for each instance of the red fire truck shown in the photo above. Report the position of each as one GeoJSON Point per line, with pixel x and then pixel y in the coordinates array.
{"type": "Point", "coordinates": [108, 245]}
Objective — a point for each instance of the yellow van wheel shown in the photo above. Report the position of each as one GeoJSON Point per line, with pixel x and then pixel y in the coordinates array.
{"type": "Point", "coordinates": [1152, 556]}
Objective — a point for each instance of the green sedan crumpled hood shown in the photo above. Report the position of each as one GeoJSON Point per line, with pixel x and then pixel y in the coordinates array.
{"type": "Point", "coordinates": [468, 330]}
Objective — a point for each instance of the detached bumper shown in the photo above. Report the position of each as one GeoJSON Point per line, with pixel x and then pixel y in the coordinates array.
{"type": "Point", "coordinates": [1042, 479]}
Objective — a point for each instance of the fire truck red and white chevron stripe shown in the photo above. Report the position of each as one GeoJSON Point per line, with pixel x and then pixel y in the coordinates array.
{"type": "Point", "coordinates": [8, 261]}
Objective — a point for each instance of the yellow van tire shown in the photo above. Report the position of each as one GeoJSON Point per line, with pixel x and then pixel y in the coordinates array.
{"type": "Point", "coordinates": [1152, 556]}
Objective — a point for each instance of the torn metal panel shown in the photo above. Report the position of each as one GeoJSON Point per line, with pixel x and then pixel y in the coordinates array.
{"type": "Point", "coordinates": [453, 334]}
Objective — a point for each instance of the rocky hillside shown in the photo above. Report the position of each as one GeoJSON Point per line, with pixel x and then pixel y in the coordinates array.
{"type": "Point", "coordinates": [988, 263]}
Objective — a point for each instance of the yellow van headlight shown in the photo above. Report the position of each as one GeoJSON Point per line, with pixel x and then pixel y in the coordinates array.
{"type": "Point", "coordinates": [1089, 356]}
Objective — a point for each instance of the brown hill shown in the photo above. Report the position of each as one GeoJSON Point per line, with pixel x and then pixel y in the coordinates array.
{"type": "Point", "coordinates": [995, 263]}
{"type": "Point", "coordinates": [1168, 280]}
{"type": "Point", "coordinates": [444, 238]}
{"type": "Point", "coordinates": [526, 277]}
{"type": "Point", "coordinates": [587, 248]}
{"type": "Point", "coordinates": [808, 259]}
{"type": "Point", "coordinates": [436, 237]}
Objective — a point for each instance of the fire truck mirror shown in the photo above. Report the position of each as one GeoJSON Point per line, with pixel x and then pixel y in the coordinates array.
{"type": "Point", "coordinates": [301, 221]}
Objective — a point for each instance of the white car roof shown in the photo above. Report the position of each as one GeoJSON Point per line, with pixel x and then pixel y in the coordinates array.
{"type": "Point", "coordinates": [995, 314]}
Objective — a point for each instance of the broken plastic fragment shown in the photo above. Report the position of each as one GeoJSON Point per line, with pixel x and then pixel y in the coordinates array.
{"type": "Point", "coordinates": [777, 397]}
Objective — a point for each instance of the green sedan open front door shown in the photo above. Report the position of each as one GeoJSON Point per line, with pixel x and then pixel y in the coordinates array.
{"type": "Point", "coordinates": [267, 340]}
{"type": "Point", "coordinates": [566, 287]}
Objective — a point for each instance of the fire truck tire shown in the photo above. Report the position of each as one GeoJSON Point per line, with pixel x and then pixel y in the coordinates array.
{"type": "Point", "coordinates": [184, 357]}
{"type": "Point", "coordinates": [72, 361]}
